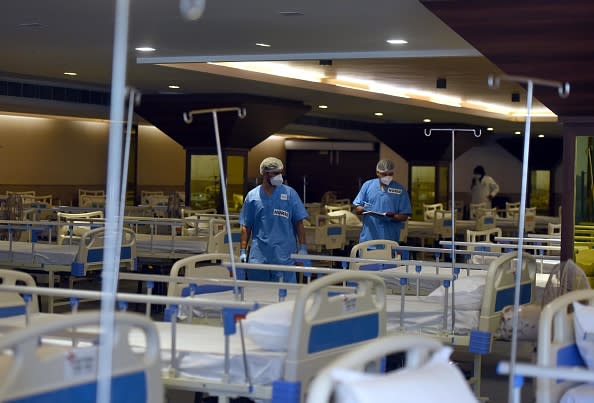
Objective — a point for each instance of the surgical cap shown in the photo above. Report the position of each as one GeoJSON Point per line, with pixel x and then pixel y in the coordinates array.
{"type": "Point", "coordinates": [385, 166]}
{"type": "Point", "coordinates": [270, 164]}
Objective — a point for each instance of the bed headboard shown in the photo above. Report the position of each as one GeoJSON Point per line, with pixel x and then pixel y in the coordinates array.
{"type": "Point", "coordinates": [90, 252]}
{"type": "Point", "coordinates": [500, 286]}
{"type": "Point", "coordinates": [556, 342]}
{"type": "Point", "coordinates": [325, 326]}
{"type": "Point", "coordinates": [208, 265]}
{"type": "Point", "coordinates": [382, 249]}
{"type": "Point", "coordinates": [12, 304]}
{"type": "Point", "coordinates": [66, 373]}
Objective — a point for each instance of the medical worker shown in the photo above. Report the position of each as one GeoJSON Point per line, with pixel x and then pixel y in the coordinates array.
{"type": "Point", "coordinates": [384, 204]}
{"type": "Point", "coordinates": [272, 215]}
{"type": "Point", "coordinates": [483, 187]}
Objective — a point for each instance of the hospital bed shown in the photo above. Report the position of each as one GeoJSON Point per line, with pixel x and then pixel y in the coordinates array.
{"type": "Point", "coordinates": [54, 362]}
{"type": "Point", "coordinates": [71, 226]}
{"type": "Point", "coordinates": [76, 261]}
{"type": "Point", "coordinates": [328, 234]}
{"type": "Point", "coordinates": [562, 371]}
{"type": "Point", "coordinates": [307, 333]}
{"type": "Point", "coordinates": [426, 377]}
{"type": "Point", "coordinates": [86, 196]}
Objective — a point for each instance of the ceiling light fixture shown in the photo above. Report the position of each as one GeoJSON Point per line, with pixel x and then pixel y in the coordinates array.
{"type": "Point", "coordinates": [490, 129]}
{"type": "Point", "coordinates": [378, 114]}
{"type": "Point", "coordinates": [70, 73]}
{"type": "Point", "coordinates": [517, 132]}
{"type": "Point", "coordinates": [173, 86]}
{"type": "Point", "coordinates": [145, 49]}
{"type": "Point", "coordinates": [540, 136]}
{"type": "Point", "coordinates": [427, 120]}
{"type": "Point", "coordinates": [264, 45]}
{"type": "Point", "coordinates": [323, 106]}
{"type": "Point", "coordinates": [397, 41]}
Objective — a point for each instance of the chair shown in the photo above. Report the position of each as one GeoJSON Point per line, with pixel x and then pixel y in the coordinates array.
{"type": "Point", "coordinates": [429, 210]}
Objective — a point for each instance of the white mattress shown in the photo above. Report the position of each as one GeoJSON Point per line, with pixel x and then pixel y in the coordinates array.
{"type": "Point", "coordinates": [544, 264]}
{"type": "Point", "coordinates": [200, 350]}
{"type": "Point", "coordinates": [25, 252]}
{"type": "Point", "coordinates": [165, 243]}
{"type": "Point", "coordinates": [426, 285]}
{"type": "Point", "coordinates": [424, 315]}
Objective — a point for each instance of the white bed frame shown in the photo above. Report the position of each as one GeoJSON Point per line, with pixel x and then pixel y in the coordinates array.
{"type": "Point", "coordinates": [12, 304]}
{"type": "Point", "coordinates": [364, 359]}
{"type": "Point", "coordinates": [556, 343]}
{"type": "Point", "coordinates": [329, 327]}
{"type": "Point", "coordinates": [48, 372]}
{"type": "Point", "coordinates": [72, 225]}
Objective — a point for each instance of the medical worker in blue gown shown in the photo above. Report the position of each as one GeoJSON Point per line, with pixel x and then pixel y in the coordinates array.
{"type": "Point", "coordinates": [272, 215]}
{"type": "Point", "coordinates": [384, 204]}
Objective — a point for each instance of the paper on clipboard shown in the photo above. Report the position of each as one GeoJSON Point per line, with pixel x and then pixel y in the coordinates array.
{"type": "Point", "coordinates": [376, 213]}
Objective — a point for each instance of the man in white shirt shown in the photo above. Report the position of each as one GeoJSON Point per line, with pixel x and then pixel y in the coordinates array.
{"type": "Point", "coordinates": [483, 187]}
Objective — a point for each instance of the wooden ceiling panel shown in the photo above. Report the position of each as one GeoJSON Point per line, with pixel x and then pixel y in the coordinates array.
{"type": "Point", "coordinates": [536, 38]}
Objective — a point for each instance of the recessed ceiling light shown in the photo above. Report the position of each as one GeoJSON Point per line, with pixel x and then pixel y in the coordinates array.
{"type": "Point", "coordinates": [291, 13]}
{"type": "Point", "coordinates": [517, 132]}
{"type": "Point", "coordinates": [427, 120]}
{"type": "Point", "coordinates": [70, 73]}
{"type": "Point", "coordinates": [323, 106]}
{"type": "Point", "coordinates": [490, 129]}
{"type": "Point", "coordinates": [174, 87]}
{"type": "Point", "coordinates": [397, 41]}
{"type": "Point", "coordinates": [540, 136]}
{"type": "Point", "coordinates": [264, 45]}
{"type": "Point", "coordinates": [145, 49]}
{"type": "Point", "coordinates": [378, 114]}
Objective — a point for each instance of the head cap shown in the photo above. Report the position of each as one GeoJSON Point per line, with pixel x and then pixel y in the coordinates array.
{"type": "Point", "coordinates": [270, 164]}
{"type": "Point", "coordinates": [384, 166]}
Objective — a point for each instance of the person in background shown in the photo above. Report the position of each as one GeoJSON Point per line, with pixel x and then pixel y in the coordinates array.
{"type": "Point", "coordinates": [483, 187]}
{"type": "Point", "coordinates": [273, 215]}
{"type": "Point", "coordinates": [384, 204]}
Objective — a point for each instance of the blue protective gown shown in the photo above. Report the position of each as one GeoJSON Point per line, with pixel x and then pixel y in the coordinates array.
{"type": "Point", "coordinates": [272, 220]}
{"type": "Point", "coordinates": [392, 198]}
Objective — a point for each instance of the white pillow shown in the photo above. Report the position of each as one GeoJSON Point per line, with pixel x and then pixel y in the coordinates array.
{"type": "Point", "coordinates": [469, 291]}
{"type": "Point", "coordinates": [268, 326]}
{"type": "Point", "coordinates": [579, 394]}
{"type": "Point", "coordinates": [583, 320]}
{"type": "Point", "coordinates": [426, 384]}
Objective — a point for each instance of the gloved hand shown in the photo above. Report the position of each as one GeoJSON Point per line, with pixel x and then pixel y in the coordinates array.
{"type": "Point", "coordinates": [242, 256]}
{"type": "Point", "coordinates": [303, 251]}
{"type": "Point", "coordinates": [390, 214]}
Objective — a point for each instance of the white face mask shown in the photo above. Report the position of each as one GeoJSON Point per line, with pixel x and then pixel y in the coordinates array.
{"type": "Point", "coordinates": [386, 180]}
{"type": "Point", "coordinates": [276, 180]}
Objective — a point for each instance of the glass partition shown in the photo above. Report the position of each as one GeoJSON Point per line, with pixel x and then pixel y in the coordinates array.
{"type": "Point", "coordinates": [540, 191]}
{"type": "Point", "coordinates": [422, 188]}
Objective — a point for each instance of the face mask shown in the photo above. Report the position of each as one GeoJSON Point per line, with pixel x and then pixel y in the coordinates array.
{"type": "Point", "coordinates": [386, 180]}
{"type": "Point", "coordinates": [276, 180]}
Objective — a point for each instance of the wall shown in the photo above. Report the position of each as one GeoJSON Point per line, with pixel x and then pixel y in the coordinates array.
{"type": "Point", "coordinates": [401, 171]}
{"type": "Point", "coordinates": [57, 156]}
{"type": "Point", "coordinates": [273, 146]}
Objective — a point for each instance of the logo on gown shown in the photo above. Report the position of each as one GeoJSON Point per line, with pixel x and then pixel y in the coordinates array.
{"type": "Point", "coordinates": [281, 213]}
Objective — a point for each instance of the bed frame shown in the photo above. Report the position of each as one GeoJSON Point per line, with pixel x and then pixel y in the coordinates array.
{"type": "Point", "coordinates": [41, 371]}
{"type": "Point", "coordinates": [556, 343]}
{"type": "Point", "coordinates": [320, 332]}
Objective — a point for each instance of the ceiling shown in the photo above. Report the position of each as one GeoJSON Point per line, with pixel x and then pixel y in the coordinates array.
{"type": "Point", "coordinates": [42, 40]}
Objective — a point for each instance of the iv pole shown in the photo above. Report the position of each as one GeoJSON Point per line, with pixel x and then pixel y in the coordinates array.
{"type": "Point", "coordinates": [563, 90]}
{"type": "Point", "coordinates": [428, 133]}
{"type": "Point", "coordinates": [188, 118]}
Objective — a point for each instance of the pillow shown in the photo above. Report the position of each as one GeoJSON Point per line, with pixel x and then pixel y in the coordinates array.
{"type": "Point", "coordinates": [583, 321]}
{"type": "Point", "coordinates": [424, 384]}
{"type": "Point", "coordinates": [578, 394]}
{"type": "Point", "coordinates": [527, 322]}
{"type": "Point", "coordinates": [268, 327]}
{"type": "Point", "coordinates": [469, 291]}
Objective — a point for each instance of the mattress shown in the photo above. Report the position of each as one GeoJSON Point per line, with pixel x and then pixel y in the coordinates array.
{"type": "Point", "coordinates": [25, 252]}
{"type": "Point", "coordinates": [165, 243]}
{"type": "Point", "coordinates": [425, 315]}
{"type": "Point", "coordinates": [200, 350]}
{"type": "Point", "coordinates": [429, 280]}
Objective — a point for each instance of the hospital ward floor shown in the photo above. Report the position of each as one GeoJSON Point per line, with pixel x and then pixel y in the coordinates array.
{"type": "Point", "coordinates": [494, 387]}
